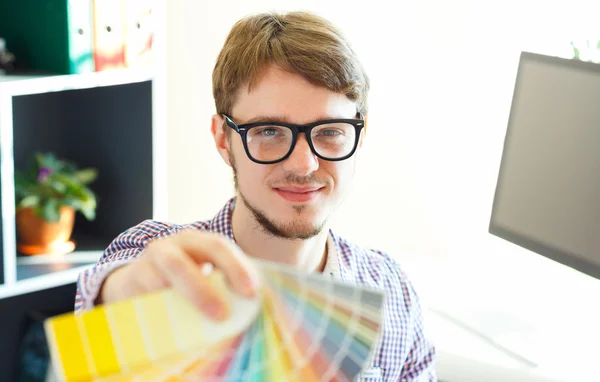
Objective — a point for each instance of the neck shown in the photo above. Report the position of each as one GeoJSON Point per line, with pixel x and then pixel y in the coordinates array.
{"type": "Point", "coordinates": [309, 254]}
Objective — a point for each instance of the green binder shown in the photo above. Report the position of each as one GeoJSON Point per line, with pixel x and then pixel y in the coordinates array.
{"type": "Point", "coordinates": [53, 36]}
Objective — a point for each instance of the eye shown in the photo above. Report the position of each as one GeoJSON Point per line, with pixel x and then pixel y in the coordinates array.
{"type": "Point", "coordinates": [267, 132]}
{"type": "Point", "coordinates": [329, 133]}
{"type": "Point", "coordinates": [333, 131]}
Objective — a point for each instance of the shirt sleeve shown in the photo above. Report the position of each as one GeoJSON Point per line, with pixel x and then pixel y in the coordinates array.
{"type": "Point", "coordinates": [124, 249]}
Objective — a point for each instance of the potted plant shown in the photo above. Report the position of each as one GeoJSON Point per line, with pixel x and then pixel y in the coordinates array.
{"type": "Point", "coordinates": [586, 50]}
{"type": "Point", "coordinates": [48, 194]}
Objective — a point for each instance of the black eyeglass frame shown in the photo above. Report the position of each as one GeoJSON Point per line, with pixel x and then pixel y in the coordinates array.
{"type": "Point", "coordinates": [242, 130]}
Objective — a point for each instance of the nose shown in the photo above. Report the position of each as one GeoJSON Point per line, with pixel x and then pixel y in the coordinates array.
{"type": "Point", "coordinates": [302, 160]}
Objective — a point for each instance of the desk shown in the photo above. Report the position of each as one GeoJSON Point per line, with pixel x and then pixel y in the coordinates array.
{"type": "Point", "coordinates": [467, 356]}
{"type": "Point", "coordinates": [521, 315]}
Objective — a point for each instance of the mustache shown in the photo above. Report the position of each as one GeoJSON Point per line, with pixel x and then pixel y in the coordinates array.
{"type": "Point", "coordinates": [298, 180]}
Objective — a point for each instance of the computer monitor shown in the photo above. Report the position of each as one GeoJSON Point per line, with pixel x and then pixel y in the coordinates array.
{"type": "Point", "coordinates": [547, 195]}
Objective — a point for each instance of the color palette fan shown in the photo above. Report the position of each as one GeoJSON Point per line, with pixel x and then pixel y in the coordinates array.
{"type": "Point", "coordinates": [302, 327]}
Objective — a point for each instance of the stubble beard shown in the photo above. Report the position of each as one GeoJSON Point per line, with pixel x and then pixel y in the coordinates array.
{"type": "Point", "coordinates": [290, 231]}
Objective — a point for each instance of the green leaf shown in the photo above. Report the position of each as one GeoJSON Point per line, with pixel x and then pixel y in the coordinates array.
{"type": "Point", "coordinates": [57, 186]}
{"type": "Point", "coordinates": [71, 201]}
{"type": "Point", "coordinates": [23, 186]}
{"type": "Point", "coordinates": [89, 213]}
{"type": "Point", "coordinates": [38, 210]}
{"type": "Point", "coordinates": [84, 202]}
{"type": "Point", "coordinates": [68, 179]}
{"type": "Point", "coordinates": [30, 201]}
{"type": "Point", "coordinates": [40, 160]}
{"type": "Point", "coordinates": [86, 176]}
{"type": "Point", "coordinates": [69, 167]}
{"type": "Point", "coordinates": [89, 204]}
{"type": "Point", "coordinates": [51, 211]}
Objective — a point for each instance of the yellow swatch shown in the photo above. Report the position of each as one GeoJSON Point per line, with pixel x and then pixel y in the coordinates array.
{"type": "Point", "coordinates": [65, 343]}
{"type": "Point", "coordinates": [100, 343]}
{"type": "Point", "coordinates": [129, 343]}
{"type": "Point", "coordinates": [279, 368]}
{"type": "Point", "coordinates": [156, 325]}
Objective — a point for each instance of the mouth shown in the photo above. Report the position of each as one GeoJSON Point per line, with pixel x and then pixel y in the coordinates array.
{"type": "Point", "coordinates": [299, 194]}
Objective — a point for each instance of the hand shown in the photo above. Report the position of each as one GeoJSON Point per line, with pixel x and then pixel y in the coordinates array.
{"type": "Point", "coordinates": [177, 261]}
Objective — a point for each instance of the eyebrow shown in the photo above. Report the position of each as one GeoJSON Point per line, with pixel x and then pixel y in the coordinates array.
{"type": "Point", "coordinates": [277, 119]}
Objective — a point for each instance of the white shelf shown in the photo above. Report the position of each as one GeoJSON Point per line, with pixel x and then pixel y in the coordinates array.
{"type": "Point", "coordinates": [46, 281]}
{"type": "Point", "coordinates": [15, 77]}
{"type": "Point", "coordinates": [15, 85]}
{"type": "Point", "coordinates": [69, 258]}
{"type": "Point", "coordinates": [39, 272]}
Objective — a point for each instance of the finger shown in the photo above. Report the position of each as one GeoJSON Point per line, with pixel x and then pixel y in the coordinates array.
{"type": "Point", "coordinates": [113, 289]}
{"type": "Point", "coordinates": [186, 277]}
{"type": "Point", "coordinates": [226, 256]}
{"type": "Point", "coordinates": [150, 278]}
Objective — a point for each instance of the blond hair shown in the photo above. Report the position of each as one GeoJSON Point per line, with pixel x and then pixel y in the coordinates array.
{"type": "Point", "coordinates": [299, 42]}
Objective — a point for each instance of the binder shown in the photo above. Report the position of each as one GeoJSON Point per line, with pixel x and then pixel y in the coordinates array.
{"type": "Point", "coordinates": [139, 30]}
{"type": "Point", "coordinates": [81, 59]}
{"type": "Point", "coordinates": [109, 39]}
{"type": "Point", "coordinates": [53, 36]}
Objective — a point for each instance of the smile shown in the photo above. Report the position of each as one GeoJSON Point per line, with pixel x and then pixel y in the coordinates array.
{"type": "Point", "coordinates": [298, 194]}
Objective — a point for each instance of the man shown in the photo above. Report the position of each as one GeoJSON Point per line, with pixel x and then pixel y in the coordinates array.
{"type": "Point", "coordinates": [291, 101]}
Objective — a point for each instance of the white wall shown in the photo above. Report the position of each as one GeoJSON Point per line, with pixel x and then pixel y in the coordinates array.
{"type": "Point", "coordinates": [442, 76]}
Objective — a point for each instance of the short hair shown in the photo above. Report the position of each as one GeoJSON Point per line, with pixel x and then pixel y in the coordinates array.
{"type": "Point", "coordinates": [299, 42]}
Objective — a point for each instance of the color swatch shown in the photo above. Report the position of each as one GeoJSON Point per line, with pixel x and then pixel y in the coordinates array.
{"type": "Point", "coordinates": [302, 327]}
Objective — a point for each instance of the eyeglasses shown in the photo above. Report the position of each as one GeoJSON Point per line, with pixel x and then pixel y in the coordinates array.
{"type": "Point", "coordinates": [272, 142]}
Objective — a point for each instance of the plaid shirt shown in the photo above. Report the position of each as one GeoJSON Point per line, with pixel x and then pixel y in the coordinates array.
{"type": "Point", "coordinates": [404, 353]}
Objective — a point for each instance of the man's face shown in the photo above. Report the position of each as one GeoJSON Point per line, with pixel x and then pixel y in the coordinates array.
{"type": "Point", "coordinates": [292, 198]}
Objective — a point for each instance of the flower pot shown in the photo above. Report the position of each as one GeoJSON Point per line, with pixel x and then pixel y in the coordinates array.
{"type": "Point", "coordinates": [38, 236]}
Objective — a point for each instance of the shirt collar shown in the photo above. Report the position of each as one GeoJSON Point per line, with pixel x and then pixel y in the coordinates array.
{"type": "Point", "coordinates": [221, 223]}
{"type": "Point", "coordinates": [332, 267]}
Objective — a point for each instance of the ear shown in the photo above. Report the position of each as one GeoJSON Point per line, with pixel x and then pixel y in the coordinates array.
{"type": "Point", "coordinates": [219, 134]}
{"type": "Point", "coordinates": [363, 133]}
